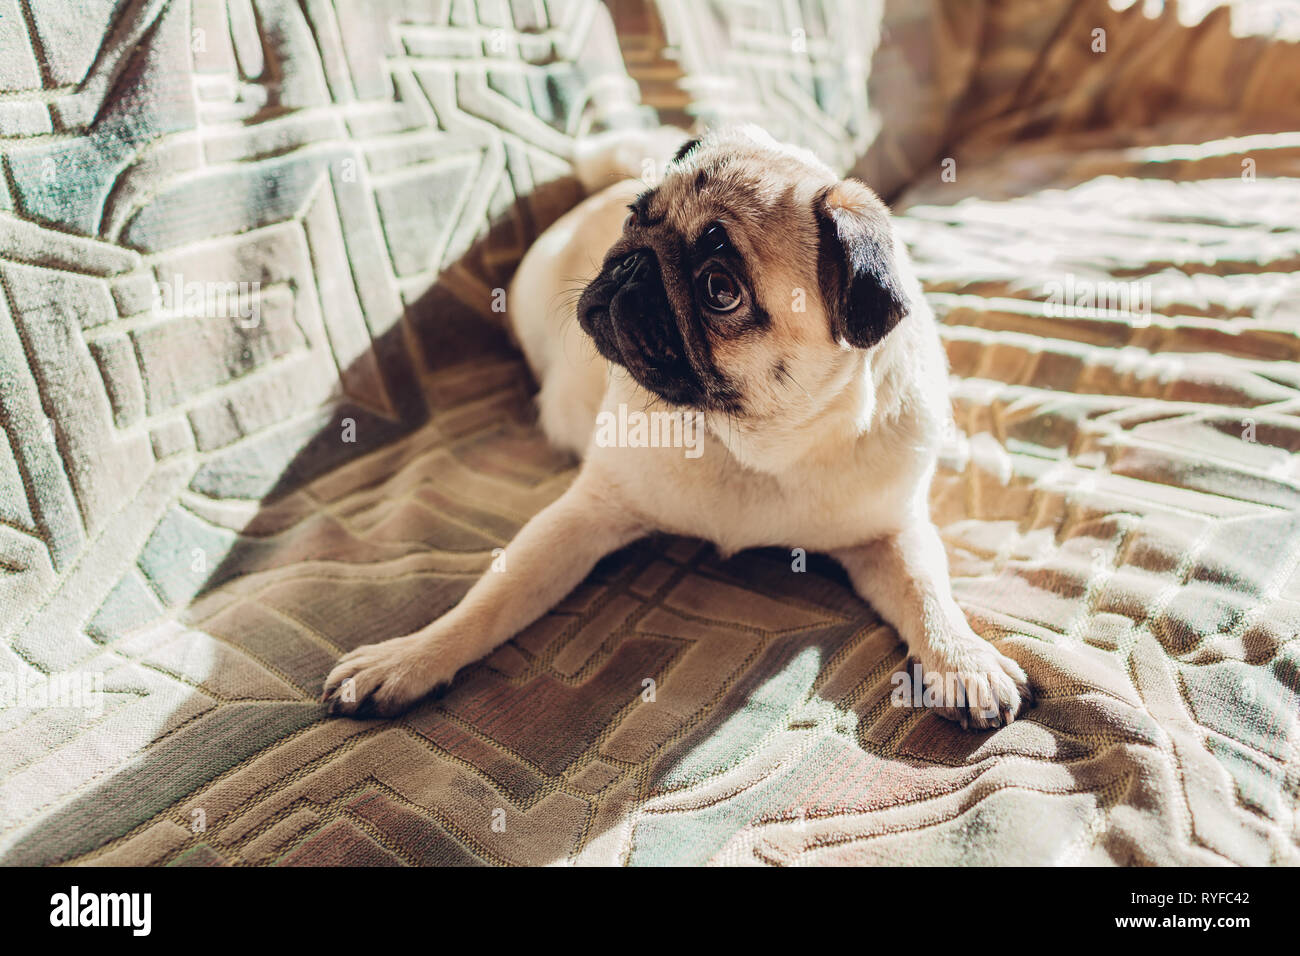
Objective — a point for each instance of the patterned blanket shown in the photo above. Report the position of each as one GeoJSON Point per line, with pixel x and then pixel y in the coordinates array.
{"type": "Point", "coordinates": [257, 409]}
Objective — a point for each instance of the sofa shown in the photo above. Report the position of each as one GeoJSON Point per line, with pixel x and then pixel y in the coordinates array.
{"type": "Point", "coordinates": [258, 407]}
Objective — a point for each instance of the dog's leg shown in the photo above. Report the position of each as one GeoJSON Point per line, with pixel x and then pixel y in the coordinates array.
{"type": "Point", "coordinates": [550, 555]}
{"type": "Point", "coordinates": [905, 578]}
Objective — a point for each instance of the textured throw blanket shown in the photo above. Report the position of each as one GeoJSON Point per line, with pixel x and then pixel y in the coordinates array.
{"type": "Point", "coordinates": [257, 408]}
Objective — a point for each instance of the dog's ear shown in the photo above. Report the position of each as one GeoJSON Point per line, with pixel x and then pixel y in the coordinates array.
{"type": "Point", "coordinates": [685, 148]}
{"type": "Point", "coordinates": [859, 279]}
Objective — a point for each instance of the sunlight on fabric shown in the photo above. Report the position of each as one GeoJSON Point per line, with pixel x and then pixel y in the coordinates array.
{"type": "Point", "coordinates": [1176, 152]}
{"type": "Point", "coordinates": [1276, 18]}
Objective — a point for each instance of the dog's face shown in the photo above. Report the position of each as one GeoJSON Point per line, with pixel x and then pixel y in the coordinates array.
{"type": "Point", "coordinates": [745, 279]}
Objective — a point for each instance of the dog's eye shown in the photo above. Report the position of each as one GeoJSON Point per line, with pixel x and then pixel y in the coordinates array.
{"type": "Point", "coordinates": [713, 239]}
{"type": "Point", "coordinates": [631, 218]}
{"type": "Point", "coordinates": [718, 290]}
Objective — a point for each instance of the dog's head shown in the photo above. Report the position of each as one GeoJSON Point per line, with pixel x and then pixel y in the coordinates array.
{"type": "Point", "coordinates": [744, 279]}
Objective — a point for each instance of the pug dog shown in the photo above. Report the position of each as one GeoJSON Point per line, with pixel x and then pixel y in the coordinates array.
{"type": "Point", "coordinates": [765, 302]}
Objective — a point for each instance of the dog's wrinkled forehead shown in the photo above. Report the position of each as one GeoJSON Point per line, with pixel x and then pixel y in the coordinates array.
{"type": "Point", "coordinates": [743, 177]}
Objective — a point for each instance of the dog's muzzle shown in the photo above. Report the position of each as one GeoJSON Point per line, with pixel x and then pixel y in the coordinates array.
{"type": "Point", "coordinates": [626, 312]}
{"type": "Point", "coordinates": [633, 267]}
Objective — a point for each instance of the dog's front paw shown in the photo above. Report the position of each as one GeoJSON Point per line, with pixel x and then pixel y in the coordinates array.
{"type": "Point", "coordinates": [385, 679]}
{"type": "Point", "coordinates": [976, 685]}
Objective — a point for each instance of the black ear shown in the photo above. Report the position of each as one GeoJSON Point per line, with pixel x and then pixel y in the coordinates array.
{"type": "Point", "coordinates": [685, 148]}
{"type": "Point", "coordinates": [859, 279]}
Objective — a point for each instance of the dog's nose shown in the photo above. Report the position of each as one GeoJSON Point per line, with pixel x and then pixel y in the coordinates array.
{"type": "Point", "coordinates": [630, 265]}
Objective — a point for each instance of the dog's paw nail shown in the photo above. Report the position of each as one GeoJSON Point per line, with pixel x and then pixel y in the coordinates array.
{"type": "Point", "coordinates": [383, 680]}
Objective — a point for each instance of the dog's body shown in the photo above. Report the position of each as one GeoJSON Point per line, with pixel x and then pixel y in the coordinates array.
{"type": "Point", "coordinates": [819, 379]}
{"type": "Point", "coordinates": [795, 483]}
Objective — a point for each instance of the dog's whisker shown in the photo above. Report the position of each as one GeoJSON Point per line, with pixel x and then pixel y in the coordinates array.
{"type": "Point", "coordinates": [783, 373]}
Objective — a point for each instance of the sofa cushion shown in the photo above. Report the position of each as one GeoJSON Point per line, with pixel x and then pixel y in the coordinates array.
{"type": "Point", "coordinates": [195, 526]}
